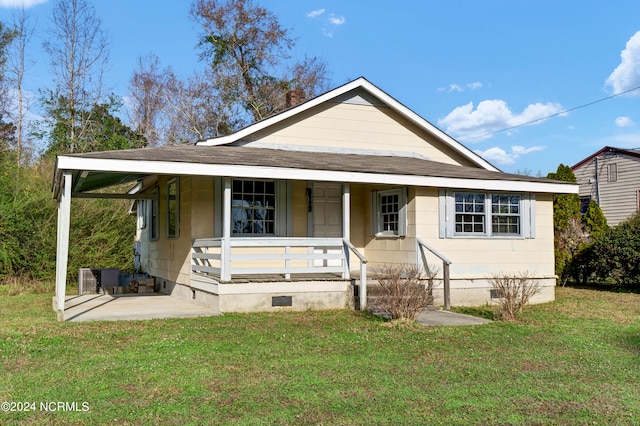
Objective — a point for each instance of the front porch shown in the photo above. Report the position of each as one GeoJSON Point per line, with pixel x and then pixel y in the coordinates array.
{"type": "Point", "coordinates": [262, 274]}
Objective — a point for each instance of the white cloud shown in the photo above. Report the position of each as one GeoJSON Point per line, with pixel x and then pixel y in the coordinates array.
{"type": "Point", "coordinates": [624, 122]}
{"type": "Point", "coordinates": [20, 3]}
{"type": "Point", "coordinates": [455, 88]}
{"type": "Point", "coordinates": [337, 20]}
{"type": "Point", "coordinates": [475, 85]}
{"type": "Point", "coordinates": [492, 115]}
{"type": "Point", "coordinates": [500, 156]}
{"type": "Point", "coordinates": [627, 75]}
{"type": "Point", "coordinates": [313, 13]}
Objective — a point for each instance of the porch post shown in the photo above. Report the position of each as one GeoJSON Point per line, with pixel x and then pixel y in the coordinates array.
{"type": "Point", "coordinates": [346, 227]}
{"type": "Point", "coordinates": [225, 264]}
{"type": "Point", "coordinates": [62, 246]}
{"type": "Point", "coordinates": [346, 212]}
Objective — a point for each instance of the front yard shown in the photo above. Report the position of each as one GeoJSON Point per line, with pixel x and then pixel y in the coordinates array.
{"type": "Point", "coordinates": [575, 361]}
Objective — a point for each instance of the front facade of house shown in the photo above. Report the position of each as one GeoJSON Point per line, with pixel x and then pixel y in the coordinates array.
{"type": "Point", "coordinates": [611, 177]}
{"type": "Point", "coordinates": [294, 210]}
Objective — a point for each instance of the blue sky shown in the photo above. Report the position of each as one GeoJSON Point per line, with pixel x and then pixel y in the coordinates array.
{"type": "Point", "coordinates": [472, 68]}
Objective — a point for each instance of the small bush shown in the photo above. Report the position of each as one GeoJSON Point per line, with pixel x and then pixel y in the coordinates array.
{"type": "Point", "coordinates": [514, 291]}
{"type": "Point", "coordinates": [402, 292]}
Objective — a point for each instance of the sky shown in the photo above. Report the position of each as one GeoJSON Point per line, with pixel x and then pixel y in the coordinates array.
{"type": "Point", "coordinates": [527, 85]}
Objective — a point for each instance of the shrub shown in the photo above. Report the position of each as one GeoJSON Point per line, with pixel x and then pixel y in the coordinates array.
{"type": "Point", "coordinates": [402, 292]}
{"type": "Point", "coordinates": [514, 291]}
{"type": "Point", "coordinates": [613, 257]}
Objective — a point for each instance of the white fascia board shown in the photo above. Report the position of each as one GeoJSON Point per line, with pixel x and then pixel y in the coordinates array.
{"type": "Point", "coordinates": [365, 84]}
{"type": "Point", "coordinates": [261, 172]}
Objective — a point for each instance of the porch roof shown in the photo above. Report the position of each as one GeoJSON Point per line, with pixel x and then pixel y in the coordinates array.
{"type": "Point", "coordinates": [96, 170]}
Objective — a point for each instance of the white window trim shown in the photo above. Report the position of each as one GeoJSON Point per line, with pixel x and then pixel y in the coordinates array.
{"type": "Point", "coordinates": [376, 220]}
{"type": "Point", "coordinates": [170, 182]}
{"type": "Point", "coordinates": [284, 209]}
{"type": "Point", "coordinates": [447, 215]}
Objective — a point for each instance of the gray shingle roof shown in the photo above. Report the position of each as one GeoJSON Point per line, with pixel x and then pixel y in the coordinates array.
{"type": "Point", "coordinates": [339, 162]}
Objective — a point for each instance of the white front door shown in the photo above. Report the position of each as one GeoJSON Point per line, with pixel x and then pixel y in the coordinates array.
{"type": "Point", "coordinates": [327, 217]}
{"type": "Point", "coordinates": [327, 210]}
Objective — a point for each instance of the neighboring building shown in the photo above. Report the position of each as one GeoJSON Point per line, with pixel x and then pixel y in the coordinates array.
{"type": "Point", "coordinates": [295, 209]}
{"type": "Point", "coordinates": [610, 177]}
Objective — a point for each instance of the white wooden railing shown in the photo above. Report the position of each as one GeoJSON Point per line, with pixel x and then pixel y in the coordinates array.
{"type": "Point", "coordinates": [363, 271]}
{"type": "Point", "coordinates": [422, 258]}
{"type": "Point", "coordinates": [274, 256]}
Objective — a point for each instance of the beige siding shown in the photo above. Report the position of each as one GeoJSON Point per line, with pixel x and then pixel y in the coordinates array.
{"type": "Point", "coordinates": [170, 258]}
{"type": "Point", "coordinates": [619, 199]}
{"type": "Point", "coordinates": [348, 126]}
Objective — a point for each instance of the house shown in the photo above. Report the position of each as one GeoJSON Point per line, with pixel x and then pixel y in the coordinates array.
{"type": "Point", "coordinates": [610, 177]}
{"type": "Point", "coordinates": [294, 211]}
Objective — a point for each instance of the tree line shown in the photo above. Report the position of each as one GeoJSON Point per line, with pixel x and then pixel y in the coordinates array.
{"type": "Point", "coordinates": [248, 71]}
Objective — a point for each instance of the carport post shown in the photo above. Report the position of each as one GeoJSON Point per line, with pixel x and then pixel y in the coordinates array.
{"type": "Point", "coordinates": [62, 247]}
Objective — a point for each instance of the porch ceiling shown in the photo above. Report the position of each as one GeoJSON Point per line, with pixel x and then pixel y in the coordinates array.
{"type": "Point", "coordinates": [101, 169]}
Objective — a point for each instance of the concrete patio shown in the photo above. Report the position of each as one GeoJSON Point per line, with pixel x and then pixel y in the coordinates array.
{"type": "Point", "coordinates": [99, 307]}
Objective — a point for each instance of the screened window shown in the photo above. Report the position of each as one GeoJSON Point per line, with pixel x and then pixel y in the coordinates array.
{"type": "Point", "coordinates": [505, 214]}
{"type": "Point", "coordinates": [173, 203]}
{"type": "Point", "coordinates": [475, 211]}
{"type": "Point", "coordinates": [613, 172]}
{"type": "Point", "coordinates": [389, 212]}
{"type": "Point", "coordinates": [253, 207]}
{"type": "Point", "coordinates": [470, 213]}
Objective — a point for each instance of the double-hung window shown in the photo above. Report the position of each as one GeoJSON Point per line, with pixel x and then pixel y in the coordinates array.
{"type": "Point", "coordinates": [253, 207]}
{"type": "Point", "coordinates": [389, 212]}
{"type": "Point", "coordinates": [480, 214]}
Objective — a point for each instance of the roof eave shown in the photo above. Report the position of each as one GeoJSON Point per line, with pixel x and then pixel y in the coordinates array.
{"type": "Point", "coordinates": [271, 172]}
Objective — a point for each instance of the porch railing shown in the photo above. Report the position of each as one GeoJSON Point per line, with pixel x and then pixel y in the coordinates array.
{"type": "Point", "coordinates": [227, 258]}
{"type": "Point", "coordinates": [422, 246]}
{"type": "Point", "coordinates": [363, 271]}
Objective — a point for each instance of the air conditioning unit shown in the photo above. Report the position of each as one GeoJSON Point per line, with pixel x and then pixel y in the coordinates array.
{"type": "Point", "coordinates": [87, 281]}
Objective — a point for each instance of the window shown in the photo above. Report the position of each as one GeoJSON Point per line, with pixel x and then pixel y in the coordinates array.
{"type": "Point", "coordinates": [470, 213]}
{"type": "Point", "coordinates": [153, 217]}
{"type": "Point", "coordinates": [505, 214]}
{"type": "Point", "coordinates": [613, 172]}
{"type": "Point", "coordinates": [389, 212]}
{"type": "Point", "coordinates": [480, 214]}
{"type": "Point", "coordinates": [173, 210]}
{"type": "Point", "coordinates": [253, 207]}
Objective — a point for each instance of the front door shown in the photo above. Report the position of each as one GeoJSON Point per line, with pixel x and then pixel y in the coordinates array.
{"type": "Point", "coordinates": [327, 210]}
{"type": "Point", "coordinates": [326, 216]}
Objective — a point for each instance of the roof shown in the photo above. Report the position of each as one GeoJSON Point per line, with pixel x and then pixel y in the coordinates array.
{"type": "Point", "coordinates": [101, 169]}
{"type": "Point", "coordinates": [359, 83]}
{"type": "Point", "coordinates": [604, 151]}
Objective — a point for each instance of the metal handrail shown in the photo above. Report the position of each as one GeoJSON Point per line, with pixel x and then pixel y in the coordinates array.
{"type": "Point", "coordinates": [363, 271]}
{"type": "Point", "coordinates": [445, 269]}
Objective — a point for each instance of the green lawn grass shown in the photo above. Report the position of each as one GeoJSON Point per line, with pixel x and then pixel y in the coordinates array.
{"type": "Point", "coordinates": [572, 362]}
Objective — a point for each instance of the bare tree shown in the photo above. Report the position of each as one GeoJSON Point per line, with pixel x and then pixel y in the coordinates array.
{"type": "Point", "coordinates": [17, 69]}
{"type": "Point", "coordinates": [77, 47]}
{"type": "Point", "coordinates": [193, 110]}
{"type": "Point", "coordinates": [147, 98]}
{"type": "Point", "coordinates": [248, 50]}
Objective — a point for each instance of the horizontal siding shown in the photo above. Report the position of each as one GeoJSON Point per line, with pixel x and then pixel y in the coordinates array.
{"type": "Point", "coordinates": [618, 200]}
{"type": "Point", "coordinates": [358, 127]}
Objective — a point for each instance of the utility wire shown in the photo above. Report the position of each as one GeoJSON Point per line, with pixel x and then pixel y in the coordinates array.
{"type": "Point", "coordinates": [550, 116]}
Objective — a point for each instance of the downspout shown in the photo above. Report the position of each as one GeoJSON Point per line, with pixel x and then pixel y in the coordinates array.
{"type": "Point", "coordinates": [597, 183]}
